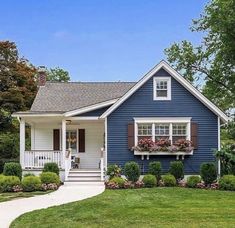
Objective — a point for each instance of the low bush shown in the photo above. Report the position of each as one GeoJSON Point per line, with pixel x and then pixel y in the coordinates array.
{"type": "Point", "coordinates": [149, 181]}
{"type": "Point", "coordinates": [119, 181]}
{"type": "Point", "coordinates": [8, 182]}
{"type": "Point", "coordinates": [28, 174]}
{"type": "Point", "coordinates": [132, 171]}
{"type": "Point", "coordinates": [177, 169]}
{"type": "Point", "coordinates": [227, 182]}
{"type": "Point", "coordinates": [49, 178]}
{"type": "Point", "coordinates": [114, 171]}
{"type": "Point", "coordinates": [192, 181]}
{"type": "Point", "coordinates": [12, 169]}
{"type": "Point", "coordinates": [111, 185]}
{"type": "Point", "coordinates": [31, 183]}
{"type": "Point", "coordinates": [51, 167]}
{"type": "Point", "coordinates": [6, 160]}
{"type": "Point", "coordinates": [155, 169]}
{"type": "Point", "coordinates": [169, 180]}
{"type": "Point", "coordinates": [208, 173]}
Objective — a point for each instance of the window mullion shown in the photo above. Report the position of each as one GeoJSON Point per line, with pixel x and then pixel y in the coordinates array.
{"type": "Point", "coordinates": [153, 132]}
{"type": "Point", "coordinates": [171, 133]}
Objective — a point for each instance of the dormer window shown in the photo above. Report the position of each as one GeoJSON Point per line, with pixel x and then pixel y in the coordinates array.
{"type": "Point", "coordinates": [162, 88]}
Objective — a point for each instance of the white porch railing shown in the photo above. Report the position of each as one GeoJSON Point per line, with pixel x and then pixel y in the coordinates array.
{"type": "Point", "coordinates": [38, 158]}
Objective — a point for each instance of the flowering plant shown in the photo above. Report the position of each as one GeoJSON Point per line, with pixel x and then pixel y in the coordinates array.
{"type": "Point", "coordinates": [183, 145]}
{"type": "Point", "coordinates": [145, 144]}
{"type": "Point", "coordinates": [163, 145]}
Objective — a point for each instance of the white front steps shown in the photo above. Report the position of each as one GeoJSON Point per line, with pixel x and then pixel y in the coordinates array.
{"type": "Point", "coordinates": [84, 176]}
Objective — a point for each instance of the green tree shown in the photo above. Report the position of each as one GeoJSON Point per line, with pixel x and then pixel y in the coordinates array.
{"type": "Point", "coordinates": [58, 75]}
{"type": "Point", "coordinates": [18, 85]}
{"type": "Point", "coordinates": [211, 63]}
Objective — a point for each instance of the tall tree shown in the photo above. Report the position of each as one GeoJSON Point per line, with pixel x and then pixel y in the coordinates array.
{"type": "Point", "coordinates": [17, 83]}
{"type": "Point", "coordinates": [212, 63]}
{"type": "Point", "coordinates": [58, 75]}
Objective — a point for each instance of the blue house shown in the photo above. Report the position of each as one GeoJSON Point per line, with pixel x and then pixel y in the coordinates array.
{"type": "Point", "coordinates": [84, 126]}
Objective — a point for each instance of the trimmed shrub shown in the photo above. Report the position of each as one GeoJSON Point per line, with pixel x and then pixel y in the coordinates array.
{"type": "Point", "coordinates": [169, 180]}
{"type": "Point", "coordinates": [208, 172]}
{"type": "Point", "coordinates": [49, 178]}
{"type": "Point", "coordinates": [51, 167]}
{"type": "Point", "coordinates": [119, 181]}
{"type": "Point", "coordinates": [132, 171]}
{"type": "Point", "coordinates": [31, 183]}
{"type": "Point", "coordinates": [149, 181]}
{"type": "Point", "coordinates": [5, 160]}
{"type": "Point", "coordinates": [8, 182]}
{"type": "Point", "coordinates": [155, 169]}
{"type": "Point", "coordinates": [227, 182]}
{"type": "Point", "coordinates": [114, 171]}
{"type": "Point", "coordinates": [12, 169]}
{"type": "Point", "coordinates": [192, 181]}
{"type": "Point", "coordinates": [29, 174]}
{"type": "Point", "coordinates": [177, 169]}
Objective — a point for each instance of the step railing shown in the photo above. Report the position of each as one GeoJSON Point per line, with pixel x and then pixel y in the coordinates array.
{"type": "Point", "coordinates": [67, 163]}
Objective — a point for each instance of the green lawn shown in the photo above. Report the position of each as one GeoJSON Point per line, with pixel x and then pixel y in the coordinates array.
{"type": "Point", "coordinates": [157, 207]}
{"type": "Point", "coordinates": [13, 195]}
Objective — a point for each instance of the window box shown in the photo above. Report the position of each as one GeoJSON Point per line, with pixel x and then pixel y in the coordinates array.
{"type": "Point", "coordinates": [177, 153]}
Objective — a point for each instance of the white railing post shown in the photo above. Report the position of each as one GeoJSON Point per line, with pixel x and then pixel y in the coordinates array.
{"type": "Point", "coordinates": [102, 164]}
{"type": "Point", "coordinates": [22, 142]}
{"type": "Point", "coordinates": [67, 163]}
{"type": "Point", "coordinates": [63, 143]}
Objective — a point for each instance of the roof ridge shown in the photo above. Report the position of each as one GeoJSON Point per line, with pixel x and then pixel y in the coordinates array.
{"type": "Point", "coordinates": [97, 82]}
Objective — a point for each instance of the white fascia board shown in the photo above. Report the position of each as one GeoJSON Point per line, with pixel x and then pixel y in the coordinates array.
{"type": "Point", "coordinates": [90, 108]}
{"type": "Point", "coordinates": [83, 118]}
{"type": "Point", "coordinates": [36, 115]}
{"type": "Point", "coordinates": [162, 119]}
{"type": "Point", "coordinates": [180, 79]}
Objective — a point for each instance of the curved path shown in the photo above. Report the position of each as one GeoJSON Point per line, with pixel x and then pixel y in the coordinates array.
{"type": "Point", "coordinates": [10, 210]}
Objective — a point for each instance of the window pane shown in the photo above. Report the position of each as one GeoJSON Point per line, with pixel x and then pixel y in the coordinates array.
{"type": "Point", "coordinates": [162, 129]}
{"type": "Point", "coordinates": [162, 85]}
{"type": "Point", "coordinates": [145, 129]}
{"type": "Point", "coordinates": [179, 129]}
{"type": "Point", "coordinates": [161, 93]}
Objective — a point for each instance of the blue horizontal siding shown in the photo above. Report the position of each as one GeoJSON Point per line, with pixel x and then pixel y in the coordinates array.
{"type": "Point", "coordinates": [182, 104]}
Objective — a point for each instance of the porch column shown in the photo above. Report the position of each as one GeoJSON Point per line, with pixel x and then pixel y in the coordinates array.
{"type": "Point", "coordinates": [22, 142]}
{"type": "Point", "coordinates": [63, 142]}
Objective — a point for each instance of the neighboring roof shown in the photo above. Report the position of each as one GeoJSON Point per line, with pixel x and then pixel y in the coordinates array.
{"type": "Point", "coordinates": [177, 77]}
{"type": "Point", "coordinates": [64, 97]}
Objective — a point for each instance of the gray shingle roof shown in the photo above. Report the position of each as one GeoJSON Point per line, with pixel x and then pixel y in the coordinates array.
{"type": "Point", "coordinates": [62, 97]}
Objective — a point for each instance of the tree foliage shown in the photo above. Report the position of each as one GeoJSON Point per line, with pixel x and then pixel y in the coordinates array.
{"type": "Point", "coordinates": [17, 83]}
{"type": "Point", "coordinates": [58, 75]}
{"type": "Point", "coordinates": [212, 62]}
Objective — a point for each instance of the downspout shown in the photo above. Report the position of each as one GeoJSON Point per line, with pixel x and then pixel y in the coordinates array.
{"type": "Point", "coordinates": [219, 147]}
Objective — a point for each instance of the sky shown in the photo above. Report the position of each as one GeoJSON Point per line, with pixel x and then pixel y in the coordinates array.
{"type": "Point", "coordinates": [98, 40]}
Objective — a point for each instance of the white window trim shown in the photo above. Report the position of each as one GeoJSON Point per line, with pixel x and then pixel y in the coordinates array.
{"type": "Point", "coordinates": [168, 120]}
{"type": "Point", "coordinates": [168, 79]}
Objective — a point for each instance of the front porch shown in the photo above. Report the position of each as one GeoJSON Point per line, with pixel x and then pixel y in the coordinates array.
{"type": "Point", "coordinates": [75, 142]}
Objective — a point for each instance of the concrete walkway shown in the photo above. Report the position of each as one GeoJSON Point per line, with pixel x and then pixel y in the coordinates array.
{"type": "Point", "coordinates": [10, 210]}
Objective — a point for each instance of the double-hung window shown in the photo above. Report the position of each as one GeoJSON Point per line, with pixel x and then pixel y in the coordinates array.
{"type": "Point", "coordinates": [144, 131]}
{"type": "Point", "coordinates": [162, 88]}
{"type": "Point", "coordinates": [179, 131]}
{"type": "Point", "coordinates": [162, 131]}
